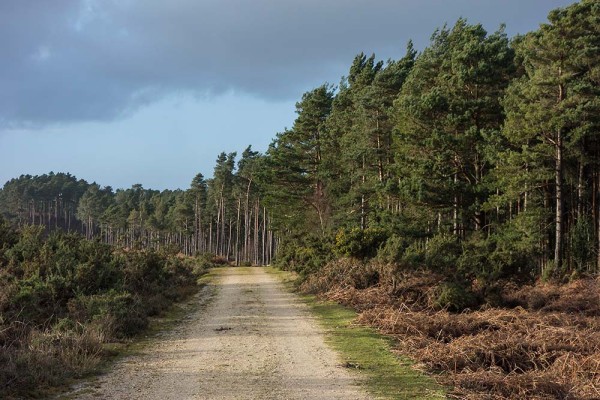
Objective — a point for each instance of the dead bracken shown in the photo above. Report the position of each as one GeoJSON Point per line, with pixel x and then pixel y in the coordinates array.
{"type": "Point", "coordinates": [542, 342]}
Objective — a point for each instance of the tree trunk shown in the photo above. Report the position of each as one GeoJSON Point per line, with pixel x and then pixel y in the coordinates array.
{"type": "Point", "coordinates": [558, 244]}
{"type": "Point", "coordinates": [210, 238]}
{"type": "Point", "coordinates": [196, 225]}
{"type": "Point", "coordinates": [478, 212]}
{"type": "Point", "coordinates": [455, 227]}
{"type": "Point", "coordinates": [597, 210]}
{"type": "Point", "coordinates": [256, 228]}
{"type": "Point", "coordinates": [229, 238]}
{"type": "Point", "coordinates": [264, 230]}
{"type": "Point", "coordinates": [580, 191]}
{"type": "Point", "coordinates": [237, 233]}
{"type": "Point", "coordinates": [363, 200]}
{"type": "Point", "coordinates": [247, 222]}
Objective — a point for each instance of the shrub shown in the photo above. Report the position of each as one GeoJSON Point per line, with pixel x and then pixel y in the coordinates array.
{"type": "Point", "coordinates": [219, 260]}
{"type": "Point", "coordinates": [143, 272]}
{"type": "Point", "coordinates": [501, 256]}
{"type": "Point", "coordinates": [179, 272]}
{"type": "Point", "coordinates": [122, 311]}
{"type": "Point", "coordinates": [455, 296]}
{"type": "Point", "coordinates": [61, 296]}
{"type": "Point", "coordinates": [46, 358]}
{"type": "Point", "coordinates": [415, 254]}
{"type": "Point", "coordinates": [26, 248]}
{"type": "Point", "coordinates": [202, 263]}
{"type": "Point", "coordinates": [442, 253]}
{"type": "Point", "coordinates": [32, 301]}
{"type": "Point", "coordinates": [8, 238]}
{"type": "Point", "coordinates": [304, 255]}
{"type": "Point", "coordinates": [393, 249]}
{"type": "Point", "coordinates": [359, 243]}
{"type": "Point", "coordinates": [342, 273]}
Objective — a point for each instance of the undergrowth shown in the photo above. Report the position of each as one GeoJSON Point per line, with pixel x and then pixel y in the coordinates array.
{"type": "Point", "coordinates": [64, 300]}
{"type": "Point", "coordinates": [539, 341]}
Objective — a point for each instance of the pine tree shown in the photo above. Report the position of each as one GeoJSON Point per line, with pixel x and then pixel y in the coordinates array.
{"type": "Point", "coordinates": [552, 111]}
{"type": "Point", "coordinates": [298, 189]}
{"type": "Point", "coordinates": [447, 111]}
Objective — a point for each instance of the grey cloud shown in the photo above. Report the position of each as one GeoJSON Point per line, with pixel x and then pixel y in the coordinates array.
{"type": "Point", "coordinates": [75, 60]}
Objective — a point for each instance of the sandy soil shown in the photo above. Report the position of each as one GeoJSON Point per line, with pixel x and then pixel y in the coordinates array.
{"type": "Point", "coordinates": [253, 340]}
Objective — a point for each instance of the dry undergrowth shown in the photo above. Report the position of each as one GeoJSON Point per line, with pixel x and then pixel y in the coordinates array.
{"type": "Point", "coordinates": [37, 359]}
{"type": "Point", "coordinates": [543, 342]}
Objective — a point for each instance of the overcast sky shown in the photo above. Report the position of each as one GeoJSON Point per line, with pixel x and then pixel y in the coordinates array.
{"type": "Point", "coordinates": [150, 91]}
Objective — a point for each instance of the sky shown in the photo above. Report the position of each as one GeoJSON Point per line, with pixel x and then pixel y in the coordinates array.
{"type": "Point", "coordinates": [123, 92]}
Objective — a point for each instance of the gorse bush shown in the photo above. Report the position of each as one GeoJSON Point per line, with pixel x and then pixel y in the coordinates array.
{"type": "Point", "coordinates": [393, 250]}
{"type": "Point", "coordinates": [454, 296]}
{"type": "Point", "coordinates": [305, 255]}
{"type": "Point", "coordinates": [442, 253]}
{"type": "Point", "coordinates": [122, 312]}
{"type": "Point", "coordinates": [62, 296]}
{"type": "Point", "coordinates": [359, 243]}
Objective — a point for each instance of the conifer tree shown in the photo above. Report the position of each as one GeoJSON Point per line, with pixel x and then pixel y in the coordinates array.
{"type": "Point", "coordinates": [552, 110]}
{"type": "Point", "coordinates": [447, 110]}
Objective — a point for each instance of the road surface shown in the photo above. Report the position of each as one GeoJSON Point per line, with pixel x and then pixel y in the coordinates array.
{"type": "Point", "coordinates": [252, 340]}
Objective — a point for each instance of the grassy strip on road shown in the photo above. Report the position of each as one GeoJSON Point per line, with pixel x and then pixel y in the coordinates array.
{"type": "Point", "coordinates": [369, 353]}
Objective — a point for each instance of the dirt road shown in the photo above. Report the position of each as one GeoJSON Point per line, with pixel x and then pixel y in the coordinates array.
{"type": "Point", "coordinates": [253, 340]}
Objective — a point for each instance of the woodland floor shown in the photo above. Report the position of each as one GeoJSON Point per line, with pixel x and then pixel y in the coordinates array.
{"type": "Point", "coordinates": [251, 340]}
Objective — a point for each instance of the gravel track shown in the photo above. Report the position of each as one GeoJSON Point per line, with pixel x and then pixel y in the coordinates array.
{"type": "Point", "coordinates": [252, 340]}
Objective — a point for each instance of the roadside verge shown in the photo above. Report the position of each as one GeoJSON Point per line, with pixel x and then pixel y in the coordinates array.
{"type": "Point", "coordinates": [367, 352]}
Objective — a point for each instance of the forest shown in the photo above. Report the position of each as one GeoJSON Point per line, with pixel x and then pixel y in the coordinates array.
{"type": "Point", "coordinates": [479, 143]}
{"type": "Point", "coordinates": [460, 180]}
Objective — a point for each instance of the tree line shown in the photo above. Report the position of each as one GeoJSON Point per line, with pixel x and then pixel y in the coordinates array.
{"type": "Point", "coordinates": [478, 156]}
{"type": "Point", "coordinates": [223, 216]}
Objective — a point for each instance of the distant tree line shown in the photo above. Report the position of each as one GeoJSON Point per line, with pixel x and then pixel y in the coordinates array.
{"type": "Point", "coordinates": [223, 216]}
{"type": "Point", "coordinates": [479, 156]}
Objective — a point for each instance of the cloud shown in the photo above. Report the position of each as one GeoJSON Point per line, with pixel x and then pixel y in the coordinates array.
{"type": "Point", "coordinates": [80, 60]}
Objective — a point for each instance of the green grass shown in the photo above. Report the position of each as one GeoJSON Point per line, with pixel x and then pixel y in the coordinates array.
{"type": "Point", "coordinates": [369, 353]}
